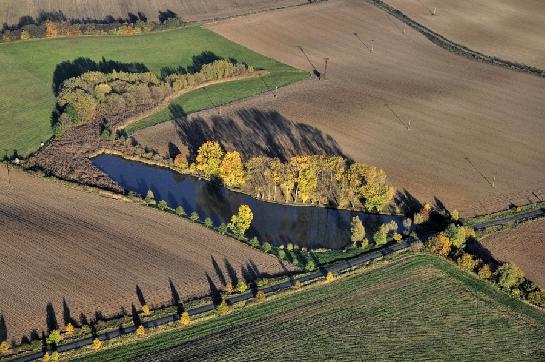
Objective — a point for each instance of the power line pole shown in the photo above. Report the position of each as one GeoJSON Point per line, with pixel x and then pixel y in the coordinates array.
{"type": "Point", "coordinates": [325, 68]}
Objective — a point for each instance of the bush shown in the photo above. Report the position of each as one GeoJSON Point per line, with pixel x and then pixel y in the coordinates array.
{"type": "Point", "coordinates": [69, 329]}
{"type": "Point", "coordinates": [364, 244]}
{"type": "Point", "coordinates": [150, 197]}
{"type": "Point", "coordinates": [397, 237]}
{"type": "Point", "coordinates": [180, 211]}
{"type": "Point", "coordinates": [254, 242]}
{"type": "Point", "coordinates": [184, 319]}
{"type": "Point", "coordinates": [222, 308]}
{"type": "Point", "coordinates": [310, 266]}
{"type": "Point", "coordinates": [242, 287]}
{"type": "Point", "coordinates": [266, 247]}
{"type": "Point", "coordinates": [467, 262]}
{"type": "Point", "coordinates": [229, 288]}
{"type": "Point", "coordinates": [97, 344]}
{"type": "Point", "coordinates": [485, 272]}
{"type": "Point", "coordinates": [281, 254]}
{"type": "Point", "coordinates": [46, 357]}
{"type": "Point", "coordinates": [194, 216]}
{"type": "Point", "coordinates": [140, 331]}
{"type": "Point", "coordinates": [145, 310]}
{"type": "Point", "coordinates": [54, 337]}
{"type": "Point", "coordinates": [380, 237]}
{"type": "Point", "coordinates": [162, 205]}
{"type": "Point", "coordinates": [260, 296]}
{"type": "Point", "coordinates": [222, 229]}
{"type": "Point", "coordinates": [509, 276]}
{"type": "Point", "coordinates": [4, 347]}
{"type": "Point", "coordinates": [455, 215]}
{"type": "Point", "coordinates": [297, 284]}
{"type": "Point", "coordinates": [208, 222]}
{"type": "Point", "coordinates": [289, 247]}
{"type": "Point", "coordinates": [55, 356]}
{"type": "Point", "coordinates": [537, 297]}
{"type": "Point", "coordinates": [329, 277]}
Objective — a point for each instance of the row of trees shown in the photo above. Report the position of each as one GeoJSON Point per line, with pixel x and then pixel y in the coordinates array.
{"type": "Point", "coordinates": [55, 24]}
{"type": "Point", "coordinates": [315, 179]}
{"type": "Point", "coordinates": [452, 243]}
{"type": "Point", "coordinates": [112, 97]}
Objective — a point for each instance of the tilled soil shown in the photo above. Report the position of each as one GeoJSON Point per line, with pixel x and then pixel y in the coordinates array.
{"type": "Point", "coordinates": [59, 243]}
{"type": "Point", "coordinates": [512, 30]}
{"type": "Point", "coordinates": [468, 134]}
{"type": "Point", "coordinates": [523, 245]}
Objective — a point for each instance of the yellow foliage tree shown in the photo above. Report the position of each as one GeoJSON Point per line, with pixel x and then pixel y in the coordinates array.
{"type": "Point", "coordinates": [140, 331]}
{"type": "Point", "coordinates": [260, 296]}
{"type": "Point", "coordinates": [25, 35]}
{"type": "Point", "coordinates": [241, 221]}
{"type": "Point", "coordinates": [4, 347]}
{"type": "Point", "coordinates": [485, 272]}
{"type": "Point", "coordinates": [222, 308]}
{"type": "Point", "coordinates": [69, 329]}
{"type": "Point", "coordinates": [440, 244]}
{"type": "Point", "coordinates": [46, 357]}
{"type": "Point", "coordinates": [467, 262]}
{"type": "Point", "coordinates": [209, 158]}
{"type": "Point", "coordinates": [185, 319]}
{"type": "Point", "coordinates": [181, 162]}
{"type": "Point", "coordinates": [232, 169]}
{"type": "Point", "coordinates": [145, 310]}
{"type": "Point", "coordinates": [375, 190]}
{"type": "Point", "coordinates": [97, 344]}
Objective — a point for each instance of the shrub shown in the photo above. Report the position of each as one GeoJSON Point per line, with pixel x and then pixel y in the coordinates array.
{"type": "Point", "coordinates": [4, 347]}
{"type": "Point", "coordinates": [55, 356]}
{"type": "Point", "coordinates": [222, 229]}
{"type": "Point", "coordinates": [509, 276]}
{"type": "Point", "coordinates": [181, 162]}
{"type": "Point", "coordinates": [380, 237]}
{"type": "Point", "coordinates": [145, 310]}
{"type": "Point", "coordinates": [260, 296]}
{"type": "Point", "coordinates": [97, 344]}
{"type": "Point", "coordinates": [537, 297]}
{"type": "Point", "coordinates": [467, 262]}
{"type": "Point", "coordinates": [150, 197]}
{"type": "Point", "coordinates": [457, 235]}
{"type": "Point", "coordinates": [357, 230]}
{"type": "Point", "coordinates": [297, 284]}
{"type": "Point", "coordinates": [364, 244]}
{"type": "Point", "coordinates": [397, 237]}
{"type": "Point", "coordinates": [194, 216]}
{"type": "Point", "coordinates": [485, 272]}
{"type": "Point", "coordinates": [310, 265]}
{"type": "Point", "coordinates": [281, 254]}
{"type": "Point", "coordinates": [242, 287]}
{"type": "Point", "coordinates": [222, 308]}
{"type": "Point", "coordinates": [407, 223]}
{"type": "Point", "coordinates": [69, 329]}
{"type": "Point", "coordinates": [180, 211]}
{"type": "Point", "coordinates": [229, 288]}
{"type": "Point", "coordinates": [140, 331]}
{"type": "Point", "coordinates": [46, 357]}
{"type": "Point", "coordinates": [329, 277]}
{"type": "Point", "coordinates": [266, 247]}
{"type": "Point", "coordinates": [254, 242]}
{"type": "Point", "coordinates": [54, 337]}
{"type": "Point", "coordinates": [289, 247]}
{"type": "Point", "coordinates": [185, 319]}
{"type": "Point", "coordinates": [208, 222]}
{"type": "Point", "coordinates": [162, 205]}
{"type": "Point", "coordinates": [455, 215]}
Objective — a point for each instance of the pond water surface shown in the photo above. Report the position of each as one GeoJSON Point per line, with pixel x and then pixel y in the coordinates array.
{"type": "Point", "coordinates": [308, 226]}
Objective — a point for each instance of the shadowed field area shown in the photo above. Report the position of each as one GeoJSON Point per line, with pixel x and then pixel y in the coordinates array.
{"type": "Point", "coordinates": [94, 252]}
{"type": "Point", "coordinates": [418, 306]}
{"type": "Point", "coordinates": [512, 30]}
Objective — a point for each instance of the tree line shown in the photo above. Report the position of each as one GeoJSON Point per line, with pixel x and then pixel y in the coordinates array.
{"type": "Point", "coordinates": [312, 179]}
{"type": "Point", "coordinates": [111, 97]}
{"type": "Point", "coordinates": [54, 24]}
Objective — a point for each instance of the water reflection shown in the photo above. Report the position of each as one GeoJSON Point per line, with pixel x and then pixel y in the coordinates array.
{"type": "Point", "coordinates": [308, 226]}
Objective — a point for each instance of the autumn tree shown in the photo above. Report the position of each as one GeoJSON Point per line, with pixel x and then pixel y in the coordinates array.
{"type": "Point", "coordinates": [509, 276]}
{"type": "Point", "coordinates": [232, 170]}
{"type": "Point", "coordinates": [209, 159]}
{"type": "Point", "coordinates": [375, 191]}
{"type": "Point", "coordinates": [241, 221]}
{"type": "Point", "coordinates": [357, 231]}
{"type": "Point", "coordinates": [467, 262]}
{"type": "Point", "coordinates": [180, 161]}
{"type": "Point", "coordinates": [440, 244]}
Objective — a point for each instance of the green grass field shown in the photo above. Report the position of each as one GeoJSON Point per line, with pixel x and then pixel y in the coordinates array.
{"type": "Point", "coordinates": [26, 74]}
{"type": "Point", "coordinates": [416, 307]}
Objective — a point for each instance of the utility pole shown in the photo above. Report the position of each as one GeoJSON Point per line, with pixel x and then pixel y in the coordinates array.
{"type": "Point", "coordinates": [325, 68]}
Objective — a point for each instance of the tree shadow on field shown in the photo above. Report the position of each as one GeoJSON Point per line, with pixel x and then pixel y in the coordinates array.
{"type": "Point", "coordinates": [407, 203]}
{"type": "Point", "coordinates": [140, 296]}
{"type": "Point", "coordinates": [253, 132]}
{"type": "Point", "coordinates": [214, 291]}
{"type": "Point", "coordinates": [51, 318]}
{"type": "Point", "coordinates": [69, 69]}
{"type": "Point", "coordinates": [3, 329]}
{"type": "Point", "coordinates": [219, 272]}
{"type": "Point", "coordinates": [66, 314]}
{"type": "Point", "coordinates": [166, 14]}
{"type": "Point", "coordinates": [231, 272]}
{"type": "Point", "coordinates": [175, 297]}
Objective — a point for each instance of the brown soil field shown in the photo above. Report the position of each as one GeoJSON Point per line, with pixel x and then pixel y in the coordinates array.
{"type": "Point", "coordinates": [59, 242]}
{"type": "Point", "coordinates": [472, 125]}
{"type": "Point", "coordinates": [193, 10]}
{"type": "Point", "coordinates": [511, 30]}
{"type": "Point", "coordinates": [524, 245]}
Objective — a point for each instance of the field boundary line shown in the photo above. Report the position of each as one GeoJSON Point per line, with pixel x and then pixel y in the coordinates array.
{"type": "Point", "coordinates": [454, 47]}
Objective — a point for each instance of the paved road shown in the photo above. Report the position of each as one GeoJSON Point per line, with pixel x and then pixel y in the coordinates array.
{"type": "Point", "coordinates": [518, 217]}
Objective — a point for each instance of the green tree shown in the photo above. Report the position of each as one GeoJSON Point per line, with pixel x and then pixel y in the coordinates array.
{"type": "Point", "coordinates": [509, 276]}
{"type": "Point", "coordinates": [242, 287]}
{"type": "Point", "coordinates": [54, 337]}
{"type": "Point", "coordinates": [222, 229]}
{"type": "Point", "coordinates": [241, 221]}
{"type": "Point", "coordinates": [380, 236]}
{"type": "Point", "coordinates": [180, 211]}
{"type": "Point", "coordinates": [208, 222]}
{"type": "Point", "coordinates": [266, 247]}
{"type": "Point", "coordinates": [310, 266]}
{"type": "Point", "coordinates": [162, 205]}
{"type": "Point", "coordinates": [194, 216]}
{"type": "Point", "coordinates": [357, 231]}
{"type": "Point", "coordinates": [209, 158]}
{"type": "Point", "coordinates": [150, 197]}
{"type": "Point", "coordinates": [375, 191]}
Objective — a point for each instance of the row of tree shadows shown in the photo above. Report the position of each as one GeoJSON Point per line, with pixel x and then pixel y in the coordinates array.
{"type": "Point", "coordinates": [249, 273]}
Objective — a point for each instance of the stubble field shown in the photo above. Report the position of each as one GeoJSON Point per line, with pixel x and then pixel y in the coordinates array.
{"type": "Point", "coordinates": [61, 243]}
{"type": "Point", "coordinates": [440, 125]}
{"type": "Point", "coordinates": [512, 30]}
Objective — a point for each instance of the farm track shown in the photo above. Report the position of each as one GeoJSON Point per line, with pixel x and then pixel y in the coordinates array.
{"type": "Point", "coordinates": [456, 48]}
{"type": "Point", "coordinates": [336, 268]}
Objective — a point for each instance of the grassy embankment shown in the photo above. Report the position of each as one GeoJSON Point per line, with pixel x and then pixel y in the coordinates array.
{"type": "Point", "coordinates": [419, 306]}
{"type": "Point", "coordinates": [27, 98]}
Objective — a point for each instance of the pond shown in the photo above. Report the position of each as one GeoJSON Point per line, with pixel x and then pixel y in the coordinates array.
{"type": "Point", "coordinates": [306, 226]}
